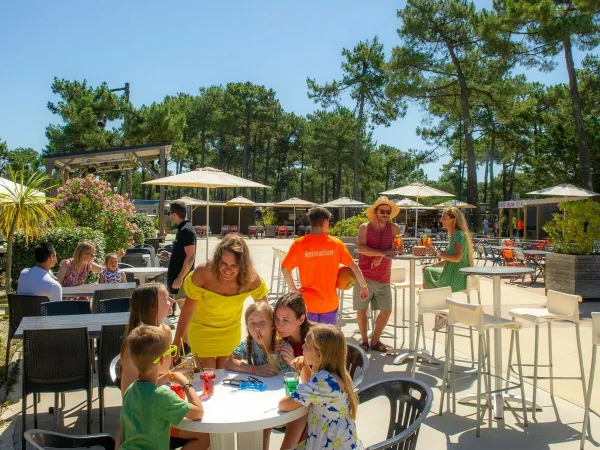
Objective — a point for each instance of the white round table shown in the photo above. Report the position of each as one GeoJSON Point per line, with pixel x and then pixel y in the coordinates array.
{"type": "Point", "coordinates": [143, 273]}
{"type": "Point", "coordinates": [497, 272]}
{"type": "Point", "coordinates": [231, 414]}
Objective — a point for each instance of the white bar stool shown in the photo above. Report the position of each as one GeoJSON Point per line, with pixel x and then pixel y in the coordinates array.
{"type": "Point", "coordinates": [472, 285]}
{"type": "Point", "coordinates": [473, 316]}
{"type": "Point", "coordinates": [398, 283]}
{"type": "Point", "coordinates": [595, 344]}
{"type": "Point", "coordinates": [276, 275]}
{"type": "Point", "coordinates": [559, 306]}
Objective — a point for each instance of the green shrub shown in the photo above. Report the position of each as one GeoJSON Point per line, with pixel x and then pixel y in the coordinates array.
{"type": "Point", "coordinates": [145, 224]}
{"type": "Point", "coordinates": [268, 218]}
{"type": "Point", "coordinates": [349, 227]}
{"type": "Point", "coordinates": [64, 240]}
{"type": "Point", "coordinates": [575, 228]}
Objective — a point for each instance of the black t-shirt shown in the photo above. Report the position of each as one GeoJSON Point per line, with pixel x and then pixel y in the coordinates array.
{"type": "Point", "coordinates": [185, 236]}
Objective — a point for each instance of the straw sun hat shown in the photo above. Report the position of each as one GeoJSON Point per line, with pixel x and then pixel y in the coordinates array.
{"type": "Point", "coordinates": [383, 200]}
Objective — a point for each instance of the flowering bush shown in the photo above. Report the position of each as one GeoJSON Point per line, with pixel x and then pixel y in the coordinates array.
{"type": "Point", "coordinates": [92, 203]}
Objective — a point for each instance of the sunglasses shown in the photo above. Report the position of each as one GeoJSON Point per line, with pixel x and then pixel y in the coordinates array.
{"type": "Point", "coordinates": [385, 212]}
{"type": "Point", "coordinates": [172, 351]}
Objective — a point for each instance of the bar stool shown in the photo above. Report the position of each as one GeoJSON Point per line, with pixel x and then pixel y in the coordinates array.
{"type": "Point", "coordinates": [472, 285]}
{"type": "Point", "coordinates": [276, 275]}
{"type": "Point", "coordinates": [473, 316]}
{"type": "Point", "coordinates": [559, 306]}
{"type": "Point", "coordinates": [398, 283]}
{"type": "Point", "coordinates": [595, 344]}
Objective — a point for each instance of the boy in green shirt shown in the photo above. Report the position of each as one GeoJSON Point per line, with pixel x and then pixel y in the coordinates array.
{"type": "Point", "coordinates": [149, 410]}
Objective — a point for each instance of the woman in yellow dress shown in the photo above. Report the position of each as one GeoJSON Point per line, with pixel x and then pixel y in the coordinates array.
{"type": "Point", "coordinates": [214, 299]}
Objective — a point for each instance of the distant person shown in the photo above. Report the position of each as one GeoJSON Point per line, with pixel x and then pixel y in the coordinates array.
{"type": "Point", "coordinates": [521, 226]}
{"type": "Point", "coordinates": [318, 257]}
{"type": "Point", "coordinates": [38, 280]}
{"type": "Point", "coordinates": [496, 228]}
{"type": "Point", "coordinates": [485, 226]}
{"type": "Point", "coordinates": [458, 255]}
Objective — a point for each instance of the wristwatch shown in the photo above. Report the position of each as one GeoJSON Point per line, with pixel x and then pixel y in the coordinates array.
{"type": "Point", "coordinates": [188, 385]}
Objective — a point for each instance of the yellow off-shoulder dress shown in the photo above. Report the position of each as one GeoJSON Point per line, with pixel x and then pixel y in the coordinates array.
{"type": "Point", "coordinates": [216, 326]}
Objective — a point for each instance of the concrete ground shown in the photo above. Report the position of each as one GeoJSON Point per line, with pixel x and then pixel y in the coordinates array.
{"type": "Point", "coordinates": [557, 426]}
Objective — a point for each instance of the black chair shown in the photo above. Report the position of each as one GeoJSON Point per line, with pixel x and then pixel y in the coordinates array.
{"type": "Point", "coordinates": [65, 308]}
{"type": "Point", "coordinates": [151, 250]}
{"type": "Point", "coordinates": [129, 276]}
{"type": "Point", "coordinates": [357, 363]}
{"type": "Point", "coordinates": [154, 242]}
{"type": "Point", "coordinates": [42, 440]}
{"type": "Point", "coordinates": [111, 339]}
{"type": "Point", "coordinates": [410, 402]}
{"type": "Point", "coordinates": [133, 260]}
{"type": "Point", "coordinates": [106, 294]}
{"type": "Point", "coordinates": [114, 305]}
{"type": "Point", "coordinates": [115, 370]}
{"type": "Point", "coordinates": [20, 306]}
{"type": "Point", "coordinates": [55, 361]}
{"type": "Point", "coordinates": [141, 251]}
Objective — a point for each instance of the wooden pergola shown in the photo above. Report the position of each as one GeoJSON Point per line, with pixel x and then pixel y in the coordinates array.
{"type": "Point", "coordinates": [115, 159]}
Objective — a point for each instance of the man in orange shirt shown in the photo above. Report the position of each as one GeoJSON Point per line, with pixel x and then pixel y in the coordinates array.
{"type": "Point", "coordinates": [318, 257]}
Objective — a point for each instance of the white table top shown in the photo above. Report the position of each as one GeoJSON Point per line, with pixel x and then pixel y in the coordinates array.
{"type": "Point", "coordinates": [535, 252]}
{"type": "Point", "coordinates": [230, 410]}
{"type": "Point", "coordinates": [497, 270]}
{"type": "Point", "coordinates": [150, 271]}
{"type": "Point", "coordinates": [89, 288]}
{"type": "Point", "coordinates": [411, 256]}
{"type": "Point", "coordinates": [506, 247]}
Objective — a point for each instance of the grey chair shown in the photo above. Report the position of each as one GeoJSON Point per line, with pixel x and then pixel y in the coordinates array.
{"type": "Point", "coordinates": [114, 305]}
{"type": "Point", "coordinates": [42, 440]}
{"type": "Point", "coordinates": [106, 294]}
{"type": "Point", "coordinates": [55, 361]}
{"type": "Point", "coordinates": [357, 363]}
{"type": "Point", "coordinates": [410, 401]}
{"type": "Point", "coordinates": [154, 242]}
{"type": "Point", "coordinates": [20, 306]}
{"type": "Point", "coordinates": [65, 308]}
{"type": "Point", "coordinates": [111, 339]}
{"type": "Point", "coordinates": [133, 260]}
{"type": "Point", "coordinates": [142, 251]}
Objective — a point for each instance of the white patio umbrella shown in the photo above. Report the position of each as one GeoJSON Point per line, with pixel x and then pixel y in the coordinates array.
{"type": "Point", "coordinates": [7, 187]}
{"type": "Point", "coordinates": [564, 190]}
{"type": "Point", "coordinates": [206, 177]}
{"type": "Point", "coordinates": [239, 202]}
{"type": "Point", "coordinates": [417, 190]}
{"type": "Point", "coordinates": [294, 203]}
{"type": "Point", "coordinates": [344, 202]}
{"type": "Point", "coordinates": [456, 203]}
{"type": "Point", "coordinates": [193, 203]}
{"type": "Point", "coordinates": [406, 204]}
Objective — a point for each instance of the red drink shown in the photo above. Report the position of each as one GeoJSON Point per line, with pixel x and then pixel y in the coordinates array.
{"type": "Point", "coordinates": [178, 390]}
{"type": "Point", "coordinates": [208, 381]}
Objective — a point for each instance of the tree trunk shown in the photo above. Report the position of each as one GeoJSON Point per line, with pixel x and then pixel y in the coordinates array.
{"type": "Point", "coordinates": [513, 170]}
{"type": "Point", "coordinates": [9, 254]}
{"type": "Point", "coordinates": [203, 147]}
{"type": "Point", "coordinates": [143, 186]}
{"type": "Point", "coordinates": [246, 145]}
{"type": "Point", "coordinates": [584, 151]}
{"type": "Point", "coordinates": [129, 184]}
{"type": "Point", "coordinates": [357, 142]}
{"type": "Point", "coordinates": [492, 151]}
{"type": "Point", "coordinates": [338, 179]}
{"type": "Point", "coordinates": [504, 189]}
{"type": "Point", "coordinates": [302, 171]}
{"type": "Point", "coordinates": [485, 180]}
{"type": "Point", "coordinates": [267, 160]}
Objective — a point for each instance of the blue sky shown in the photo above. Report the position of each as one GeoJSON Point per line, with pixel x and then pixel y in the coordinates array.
{"type": "Point", "coordinates": [163, 48]}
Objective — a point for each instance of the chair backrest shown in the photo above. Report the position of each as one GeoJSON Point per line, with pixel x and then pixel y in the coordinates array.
{"type": "Point", "coordinates": [357, 363]}
{"type": "Point", "coordinates": [65, 308]}
{"type": "Point", "coordinates": [155, 243]}
{"type": "Point", "coordinates": [282, 228]}
{"type": "Point", "coordinates": [519, 255]}
{"type": "Point", "coordinates": [133, 259]}
{"type": "Point", "coordinates": [56, 360]}
{"type": "Point", "coordinates": [233, 228]}
{"type": "Point", "coordinates": [433, 298]}
{"type": "Point", "coordinates": [465, 313]}
{"type": "Point", "coordinates": [125, 266]}
{"type": "Point", "coordinates": [106, 294]}
{"type": "Point", "coordinates": [20, 306]}
{"type": "Point", "coordinates": [563, 304]}
{"type": "Point", "coordinates": [398, 275]}
{"type": "Point", "coordinates": [111, 339]}
{"type": "Point", "coordinates": [410, 402]}
{"type": "Point", "coordinates": [115, 370]}
{"type": "Point", "coordinates": [144, 250]}
{"type": "Point", "coordinates": [42, 440]}
{"type": "Point", "coordinates": [473, 283]}
{"type": "Point", "coordinates": [596, 328]}
{"type": "Point", "coordinates": [114, 305]}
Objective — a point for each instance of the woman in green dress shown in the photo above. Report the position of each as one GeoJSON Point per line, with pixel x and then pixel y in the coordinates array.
{"type": "Point", "coordinates": [459, 254]}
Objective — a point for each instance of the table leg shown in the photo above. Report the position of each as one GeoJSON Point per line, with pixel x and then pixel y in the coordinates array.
{"type": "Point", "coordinates": [251, 440]}
{"type": "Point", "coordinates": [222, 441]}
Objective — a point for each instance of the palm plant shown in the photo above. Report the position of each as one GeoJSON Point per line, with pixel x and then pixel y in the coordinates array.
{"type": "Point", "coordinates": [24, 207]}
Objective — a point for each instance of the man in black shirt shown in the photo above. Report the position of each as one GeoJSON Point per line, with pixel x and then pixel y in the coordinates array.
{"type": "Point", "coordinates": [184, 248]}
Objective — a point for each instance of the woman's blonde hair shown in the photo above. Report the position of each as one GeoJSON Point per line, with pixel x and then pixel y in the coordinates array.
{"type": "Point", "coordinates": [330, 342]}
{"type": "Point", "coordinates": [267, 311]}
{"type": "Point", "coordinates": [460, 223]}
{"type": "Point", "coordinates": [81, 249]}
{"type": "Point", "coordinates": [234, 243]}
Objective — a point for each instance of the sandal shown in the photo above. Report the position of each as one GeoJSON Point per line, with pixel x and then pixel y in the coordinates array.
{"type": "Point", "coordinates": [364, 346]}
{"type": "Point", "coordinates": [380, 347]}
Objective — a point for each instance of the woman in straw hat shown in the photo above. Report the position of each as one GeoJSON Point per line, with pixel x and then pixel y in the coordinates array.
{"type": "Point", "coordinates": [459, 254]}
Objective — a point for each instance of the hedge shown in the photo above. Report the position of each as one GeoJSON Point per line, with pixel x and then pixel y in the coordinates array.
{"type": "Point", "coordinates": [145, 224]}
{"type": "Point", "coordinates": [64, 240]}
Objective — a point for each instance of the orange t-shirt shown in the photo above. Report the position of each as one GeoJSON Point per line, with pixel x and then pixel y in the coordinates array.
{"type": "Point", "coordinates": [318, 258]}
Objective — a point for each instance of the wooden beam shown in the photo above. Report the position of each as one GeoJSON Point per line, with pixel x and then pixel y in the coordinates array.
{"type": "Point", "coordinates": [145, 166]}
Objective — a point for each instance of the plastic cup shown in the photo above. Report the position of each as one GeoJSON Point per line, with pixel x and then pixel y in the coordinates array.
{"type": "Point", "coordinates": [186, 367]}
{"type": "Point", "coordinates": [208, 381]}
{"type": "Point", "coordinates": [290, 381]}
{"type": "Point", "coordinates": [178, 390]}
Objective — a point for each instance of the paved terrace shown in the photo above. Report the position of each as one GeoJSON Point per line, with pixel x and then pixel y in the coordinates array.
{"type": "Point", "coordinates": [558, 426]}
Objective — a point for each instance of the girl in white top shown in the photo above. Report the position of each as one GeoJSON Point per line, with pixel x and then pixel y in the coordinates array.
{"type": "Point", "coordinates": [111, 272]}
{"type": "Point", "coordinates": [327, 388]}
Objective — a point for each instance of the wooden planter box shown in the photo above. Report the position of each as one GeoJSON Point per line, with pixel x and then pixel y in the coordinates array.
{"type": "Point", "coordinates": [270, 231]}
{"type": "Point", "coordinates": [573, 274]}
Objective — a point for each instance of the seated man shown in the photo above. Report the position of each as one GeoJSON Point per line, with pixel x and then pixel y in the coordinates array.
{"type": "Point", "coordinates": [38, 280]}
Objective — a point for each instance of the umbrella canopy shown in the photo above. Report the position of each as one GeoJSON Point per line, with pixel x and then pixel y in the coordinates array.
{"type": "Point", "coordinates": [344, 202]}
{"type": "Point", "coordinates": [456, 203]}
{"type": "Point", "coordinates": [406, 203]}
{"type": "Point", "coordinates": [7, 187]}
{"type": "Point", "coordinates": [206, 177]}
{"type": "Point", "coordinates": [239, 202]}
{"type": "Point", "coordinates": [189, 201]}
{"type": "Point", "coordinates": [417, 190]}
{"type": "Point", "coordinates": [294, 202]}
{"type": "Point", "coordinates": [564, 190]}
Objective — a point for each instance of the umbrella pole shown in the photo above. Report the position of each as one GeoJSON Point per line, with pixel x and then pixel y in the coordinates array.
{"type": "Point", "coordinates": [207, 217]}
{"type": "Point", "coordinates": [239, 215]}
{"type": "Point", "coordinates": [417, 217]}
{"type": "Point", "coordinates": [294, 220]}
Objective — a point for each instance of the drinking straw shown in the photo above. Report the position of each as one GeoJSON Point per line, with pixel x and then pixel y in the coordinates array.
{"type": "Point", "coordinates": [199, 362]}
{"type": "Point", "coordinates": [266, 352]}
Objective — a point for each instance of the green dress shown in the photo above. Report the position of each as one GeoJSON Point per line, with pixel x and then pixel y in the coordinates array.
{"type": "Point", "coordinates": [449, 275]}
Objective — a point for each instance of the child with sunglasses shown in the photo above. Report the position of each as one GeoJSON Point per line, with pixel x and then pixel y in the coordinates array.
{"type": "Point", "coordinates": [149, 409]}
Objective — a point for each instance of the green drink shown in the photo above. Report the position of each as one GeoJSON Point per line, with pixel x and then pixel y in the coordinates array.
{"type": "Point", "coordinates": [290, 381]}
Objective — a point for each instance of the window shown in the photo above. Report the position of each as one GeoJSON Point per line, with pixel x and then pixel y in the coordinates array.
{"type": "Point", "coordinates": [143, 210]}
